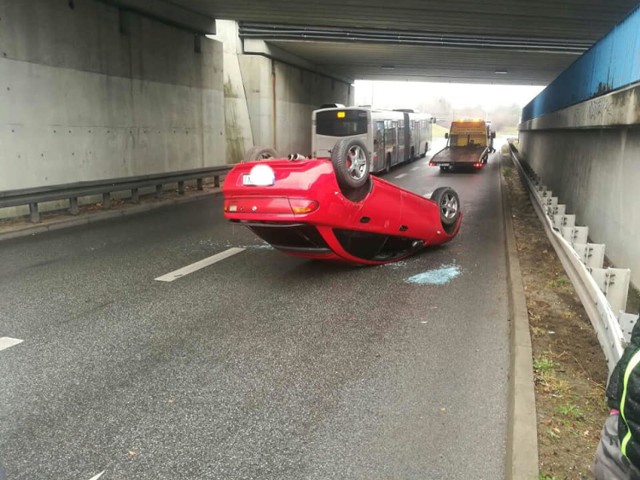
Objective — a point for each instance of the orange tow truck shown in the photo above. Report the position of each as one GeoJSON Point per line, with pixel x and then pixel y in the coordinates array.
{"type": "Point", "coordinates": [469, 143]}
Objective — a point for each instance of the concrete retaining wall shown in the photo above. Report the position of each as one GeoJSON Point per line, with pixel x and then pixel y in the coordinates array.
{"type": "Point", "coordinates": [88, 91]}
{"type": "Point", "coordinates": [589, 156]}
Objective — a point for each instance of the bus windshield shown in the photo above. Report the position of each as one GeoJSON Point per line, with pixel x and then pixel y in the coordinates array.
{"type": "Point", "coordinates": [341, 123]}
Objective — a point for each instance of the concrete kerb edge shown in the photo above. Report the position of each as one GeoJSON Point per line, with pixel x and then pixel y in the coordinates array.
{"type": "Point", "coordinates": [87, 218]}
{"type": "Point", "coordinates": [522, 437]}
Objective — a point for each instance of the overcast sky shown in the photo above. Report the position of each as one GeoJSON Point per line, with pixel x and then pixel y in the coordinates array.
{"type": "Point", "coordinates": [381, 94]}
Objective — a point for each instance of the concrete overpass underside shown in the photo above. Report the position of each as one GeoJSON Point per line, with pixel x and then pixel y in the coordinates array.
{"type": "Point", "coordinates": [516, 42]}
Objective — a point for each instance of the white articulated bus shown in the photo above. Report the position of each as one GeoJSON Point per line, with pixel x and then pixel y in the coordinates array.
{"type": "Point", "coordinates": [391, 136]}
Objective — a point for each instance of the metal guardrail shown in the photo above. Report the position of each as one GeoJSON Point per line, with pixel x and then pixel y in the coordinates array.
{"type": "Point", "coordinates": [72, 191]}
{"type": "Point", "coordinates": [602, 291]}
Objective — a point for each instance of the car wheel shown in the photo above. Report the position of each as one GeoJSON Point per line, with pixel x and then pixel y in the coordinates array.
{"type": "Point", "coordinates": [448, 205]}
{"type": "Point", "coordinates": [351, 162]}
{"type": "Point", "coordinates": [259, 153]}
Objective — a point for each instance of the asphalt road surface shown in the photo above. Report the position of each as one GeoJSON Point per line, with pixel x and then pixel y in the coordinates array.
{"type": "Point", "coordinates": [259, 366]}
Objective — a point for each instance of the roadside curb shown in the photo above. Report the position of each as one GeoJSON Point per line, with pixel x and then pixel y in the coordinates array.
{"type": "Point", "coordinates": [522, 437]}
{"type": "Point", "coordinates": [98, 216]}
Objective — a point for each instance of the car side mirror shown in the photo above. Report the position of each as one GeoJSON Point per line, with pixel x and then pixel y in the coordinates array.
{"type": "Point", "coordinates": [446, 134]}
{"type": "Point", "coordinates": [493, 134]}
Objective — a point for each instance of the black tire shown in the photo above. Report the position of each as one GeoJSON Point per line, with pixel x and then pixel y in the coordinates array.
{"type": "Point", "coordinates": [259, 153]}
{"type": "Point", "coordinates": [448, 205]}
{"type": "Point", "coordinates": [351, 163]}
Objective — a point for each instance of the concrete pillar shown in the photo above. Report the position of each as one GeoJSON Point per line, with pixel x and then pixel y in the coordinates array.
{"type": "Point", "coordinates": [270, 94]}
{"type": "Point", "coordinates": [238, 134]}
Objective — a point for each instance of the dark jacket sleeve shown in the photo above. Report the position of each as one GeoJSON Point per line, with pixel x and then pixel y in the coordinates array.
{"type": "Point", "coordinates": [616, 380]}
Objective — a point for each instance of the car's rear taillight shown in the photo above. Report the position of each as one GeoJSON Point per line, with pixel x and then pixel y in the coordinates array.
{"type": "Point", "coordinates": [269, 205]}
{"type": "Point", "coordinates": [301, 206]}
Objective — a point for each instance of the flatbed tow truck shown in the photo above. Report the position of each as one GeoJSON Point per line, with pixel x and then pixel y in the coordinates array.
{"type": "Point", "coordinates": [469, 143]}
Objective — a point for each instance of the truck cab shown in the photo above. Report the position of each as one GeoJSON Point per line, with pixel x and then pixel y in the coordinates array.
{"type": "Point", "coordinates": [469, 143]}
{"type": "Point", "coordinates": [468, 133]}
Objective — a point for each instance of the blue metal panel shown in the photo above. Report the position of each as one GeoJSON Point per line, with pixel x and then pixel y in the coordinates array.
{"type": "Point", "coordinates": [610, 64]}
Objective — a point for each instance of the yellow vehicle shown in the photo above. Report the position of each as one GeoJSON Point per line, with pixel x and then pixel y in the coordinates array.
{"type": "Point", "coordinates": [469, 143]}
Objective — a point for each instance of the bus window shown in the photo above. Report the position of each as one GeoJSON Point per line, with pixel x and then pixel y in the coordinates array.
{"type": "Point", "coordinates": [354, 122]}
{"type": "Point", "coordinates": [390, 134]}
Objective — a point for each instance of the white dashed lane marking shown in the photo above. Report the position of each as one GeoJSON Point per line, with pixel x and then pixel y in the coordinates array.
{"type": "Point", "coordinates": [7, 342]}
{"type": "Point", "coordinates": [401, 175]}
{"type": "Point", "coordinates": [98, 475]}
{"type": "Point", "coordinates": [413, 169]}
{"type": "Point", "coordinates": [194, 267]}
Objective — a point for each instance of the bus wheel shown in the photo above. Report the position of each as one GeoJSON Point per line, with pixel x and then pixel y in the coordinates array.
{"type": "Point", "coordinates": [259, 153]}
{"type": "Point", "coordinates": [351, 162]}
{"type": "Point", "coordinates": [448, 206]}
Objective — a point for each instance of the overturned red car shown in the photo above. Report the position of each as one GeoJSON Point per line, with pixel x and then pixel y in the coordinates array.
{"type": "Point", "coordinates": [333, 209]}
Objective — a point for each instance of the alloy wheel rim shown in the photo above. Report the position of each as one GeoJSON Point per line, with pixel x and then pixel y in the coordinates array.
{"type": "Point", "coordinates": [356, 162]}
{"type": "Point", "coordinates": [449, 206]}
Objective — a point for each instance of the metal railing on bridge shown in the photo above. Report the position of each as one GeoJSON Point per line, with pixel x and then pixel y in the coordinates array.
{"type": "Point", "coordinates": [73, 191]}
{"type": "Point", "coordinates": [602, 291]}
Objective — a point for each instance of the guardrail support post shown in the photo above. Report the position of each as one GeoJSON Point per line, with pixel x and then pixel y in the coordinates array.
{"type": "Point", "coordinates": [135, 196]}
{"type": "Point", "coordinates": [158, 191]}
{"type": "Point", "coordinates": [569, 220]}
{"type": "Point", "coordinates": [106, 200]}
{"type": "Point", "coordinates": [34, 215]}
{"type": "Point", "coordinates": [181, 188]}
{"type": "Point", "coordinates": [73, 206]}
{"type": "Point", "coordinates": [216, 181]}
{"type": "Point", "coordinates": [627, 321]}
{"type": "Point", "coordinates": [200, 187]}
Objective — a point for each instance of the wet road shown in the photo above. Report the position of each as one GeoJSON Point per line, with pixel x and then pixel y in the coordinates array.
{"type": "Point", "coordinates": [260, 366]}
